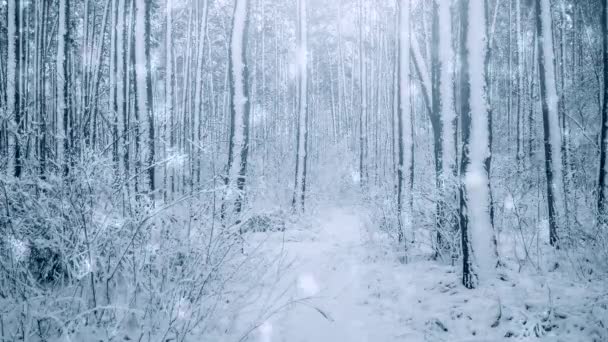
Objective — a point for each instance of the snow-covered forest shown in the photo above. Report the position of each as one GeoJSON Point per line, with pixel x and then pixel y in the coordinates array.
{"type": "Point", "coordinates": [303, 170]}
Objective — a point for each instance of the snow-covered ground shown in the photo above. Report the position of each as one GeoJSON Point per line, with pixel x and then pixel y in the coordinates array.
{"type": "Point", "coordinates": [331, 271]}
{"type": "Point", "coordinates": [340, 281]}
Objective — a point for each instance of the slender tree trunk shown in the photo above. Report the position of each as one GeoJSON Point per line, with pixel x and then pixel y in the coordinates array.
{"type": "Point", "coordinates": [42, 107]}
{"type": "Point", "coordinates": [340, 75]}
{"type": "Point", "coordinates": [602, 189]}
{"type": "Point", "coordinates": [198, 96]}
{"type": "Point", "coordinates": [135, 100]}
{"type": "Point", "coordinates": [404, 130]}
{"type": "Point", "coordinates": [509, 82]}
{"type": "Point", "coordinates": [520, 84]}
{"type": "Point", "coordinates": [363, 103]}
{"type": "Point", "coordinates": [447, 209]}
{"type": "Point", "coordinates": [437, 122]}
{"type": "Point", "coordinates": [114, 88]}
{"type": "Point", "coordinates": [302, 110]}
{"type": "Point", "coordinates": [87, 55]}
{"type": "Point", "coordinates": [96, 76]}
{"type": "Point", "coordinates": [531, 92]}
{"type": "Point", "coordinates": [170, 88]}
{"type": "Point", "coordinates": [63, 86]}
{"type": "Point", "coordinates": [143, 75]}
{"type": "Point", "coordinates": [13, 86]}
{"type": "Point", "coordinates": [565, 147]}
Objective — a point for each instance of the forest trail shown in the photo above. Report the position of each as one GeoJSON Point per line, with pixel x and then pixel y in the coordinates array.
{"type": "Point", "coordinates": [335, 283]}
{"type": "Point", "coordinates": [329, 271]}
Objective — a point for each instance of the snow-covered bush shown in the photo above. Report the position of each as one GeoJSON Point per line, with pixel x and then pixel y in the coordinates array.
{"type": "Point", "coordinates": [78, 259]}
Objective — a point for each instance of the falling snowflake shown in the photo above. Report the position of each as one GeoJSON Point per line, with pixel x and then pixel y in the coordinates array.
{"type": "Point", "coordinates": [19, 248]}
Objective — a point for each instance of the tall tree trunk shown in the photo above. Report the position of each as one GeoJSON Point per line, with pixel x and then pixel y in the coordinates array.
{"type": "Point", "coordinates": [447, 210]}
{"type": "Point", "coordinates": [114, 89]}
{"type": "Point", "coordinates": [123, 86]}
{"type": "Point", "coordinates": [170, 88]}
{"type": "Point", "coordinates": [302, 110]}
{"type": "Point", "coordinates": [42, 105]}
{"type": "Point", "coordinates": [198, 88]}
{"type": "Point", "coordinates": [63, 86]}
{"type": "Point", "coordinates": [437, 123]}
{"type": "Point", "coordinates": [97, 73]}
{"type": "Point", "coordinates": [551, 127]}
{"type": "Point", "coordinates": [404, 119]}
{"type": "Point", "coordinates": [134, 105]}
{"type": "Point", "coordinates": [13, 86]}
{"type": "Point", "coordinates": [602, 190]}
{"type": "Point", "coordinates": [363, 103]}
{"type": "Point", "coordinates": [565, 147]}
{"type": "Point", "coordinates": [143, 75]}
{"type": "Point", "coordinates": [239, 125]}
{"type": "Point", "coordinates": [87, 55]}
{"type": "Point", "coordinates": [477, 232]}
{"type": "Point", "coordinates": [520, 84]}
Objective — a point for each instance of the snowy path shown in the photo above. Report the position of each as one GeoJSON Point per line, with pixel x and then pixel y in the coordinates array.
{"type": "Point", "coordinates": [328, 270]}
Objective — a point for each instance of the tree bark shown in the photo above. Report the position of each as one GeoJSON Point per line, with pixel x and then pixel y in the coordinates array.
{"type": "Point", "coordinates": [602, 190]}
{"type": "Point", "coordinates": [551, 127]}
{"type": "Point", "coordinates": [477, 232]}
{"type": "Point", "coordinates": [143, 75]}
{"type": "Point", "coordinates": [63, 86]}
{"type": "Point", "coordinates": [240, 108]}
{"type": "Point", "coordinates": [13, 86]}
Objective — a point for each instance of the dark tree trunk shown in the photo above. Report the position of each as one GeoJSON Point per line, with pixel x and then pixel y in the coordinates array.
{"type": "Point", "coordinates": [437, 126]}
{"type": "Point", "coordinates": [14, 82]}
{"type": "Point", "coordinates": [149, 100]}
{"type": "Point", "coordinates": [547, 129]}
{"type": "Point", "coordinates": [602, 191]}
